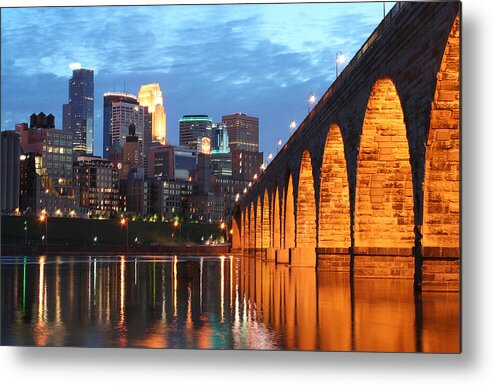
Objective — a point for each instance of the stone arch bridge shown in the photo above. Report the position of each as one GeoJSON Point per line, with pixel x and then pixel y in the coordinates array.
{"type": "Point", "coordinates": [369, 182]}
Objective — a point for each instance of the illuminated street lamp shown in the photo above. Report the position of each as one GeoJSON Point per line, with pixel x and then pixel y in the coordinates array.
{"type": "Point", "coordinates": [255, 176]}
{"type": "Point", "coordinates": [125, 224]}
{"type": "Point", "coordinates": [224, 226]}
{"type": "Point", "coordinates": [25, 231]}
{"type": "Point", "coordinates": [43, 218]}
{"type": "Point", "coordinates": [311, 100]}
{"type": "Point", "coordinates": [279, 144]}
{"type": "Point", "coordinates": [176, 224]}
{"type": "Point", "coordinates": [340, 60]}
{"type": "Point", "coordinates": [292, 126]}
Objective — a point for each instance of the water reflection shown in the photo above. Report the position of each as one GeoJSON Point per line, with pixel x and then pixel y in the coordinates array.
{"type": "Point", "coordinates": [216, 303]}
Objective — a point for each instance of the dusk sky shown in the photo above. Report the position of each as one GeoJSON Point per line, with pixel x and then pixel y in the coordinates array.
{"type": "Point", "coordinates": [262, 60]}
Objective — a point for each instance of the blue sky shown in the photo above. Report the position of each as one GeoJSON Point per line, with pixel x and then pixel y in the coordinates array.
{"type": "Point", "coordinates": [261, 59]}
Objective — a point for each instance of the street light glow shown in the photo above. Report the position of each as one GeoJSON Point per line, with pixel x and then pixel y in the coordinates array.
{"type": "Point", "coordinates": [292, 126]}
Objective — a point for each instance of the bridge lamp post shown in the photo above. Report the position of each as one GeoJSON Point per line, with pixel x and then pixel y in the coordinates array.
{"type": "Point", "coordinates": [43, 218]}
{"type": "Point", "coordinates": [311, 100]}
{"type": "Point", "coordinates": [124, 223]}
{"type": "Point", "coordinates": [292, 126]}
{"type": "Point", "coordinates": [340, 60]}
{"type": "Point", "coordinates": [224, 226]}
{"type": "Point", "coordinates": [177, 223]}
{"type": "Point", "coordinates": [279, 144]}
{"type": "Point", "coordinates": [269, 157]}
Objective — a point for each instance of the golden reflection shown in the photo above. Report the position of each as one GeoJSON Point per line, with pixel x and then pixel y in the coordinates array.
{"type": "Point", "coordinates": [121, 323]}
{"type": "Point", "coordinates": [200, 288]}
{"type": "Point", "coordinates": [41, 330]}
{"type": "Point", "coordinates": [231, 285]}
{"type": "Point", "coordinates": [222, 287]}
{"type": "Point", "coordinates": [270, 307]}
{"type": "Point", "coordinates": [175, 285]}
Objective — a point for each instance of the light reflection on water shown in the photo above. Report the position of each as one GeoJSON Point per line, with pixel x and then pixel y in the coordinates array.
{"type": "Point", "coordinates": [216, 303]}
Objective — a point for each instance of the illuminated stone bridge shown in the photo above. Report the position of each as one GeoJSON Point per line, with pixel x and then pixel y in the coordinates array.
{"type": "Point", "coordinates": [369, 182]}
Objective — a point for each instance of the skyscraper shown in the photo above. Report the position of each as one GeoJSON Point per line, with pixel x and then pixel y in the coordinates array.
{"type": "Point", "coordinates": [150, 96]}
{"type": "Point", "coordinates": [242, 131]}
{"type": "Point", "coordinates": [10, 171]}
{"type": "Point", "coordinates": [122, 116]}
{"type": "Point", "coordinates": [193, 128]}
{"type": "Point", "coordinates": [78, 114]}
{"type": "Point", "coordinates": [110, 98]}
{"type": "Point", "coordinates": [243, 142]}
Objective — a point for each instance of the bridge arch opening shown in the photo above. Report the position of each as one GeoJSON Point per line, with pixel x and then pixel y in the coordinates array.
{"type": "Point", "coordinates": [236, 230]}
{"type": "Point", "coordinates": [258, 224]}
{"type": "Point", "coordinates": [251, 238]}
{"type": "Point", "coordinates": [306, 210]}
{"type": "Point", "coordinates": [243, 230]}
{"type": "Point", "coordinates": [289, 213]}
{"type": "Point", "coordinates": [276, 218]}
{"type": "Point", "coordinates": [266, 221]}
{"type": "Point", "coordinates": [384, 215]}
{"type": "Point", "coordinates": [334, 216]}
{"type": "Point", "coordinates": [441, 179]}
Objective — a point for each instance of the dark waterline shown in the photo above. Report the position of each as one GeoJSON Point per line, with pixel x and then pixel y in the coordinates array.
{"type": "Point", "coordinates": [216, 303]}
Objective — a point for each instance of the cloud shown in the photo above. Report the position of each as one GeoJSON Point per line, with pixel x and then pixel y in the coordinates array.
{"type": "Point", "coordinates": [261, 59]}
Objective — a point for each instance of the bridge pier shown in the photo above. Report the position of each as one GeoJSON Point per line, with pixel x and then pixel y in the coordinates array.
{"type": "Point", "coordinates": [441, 269]}
{"type": "Point", "coordinates": [283, 256]}
{"type": "Point", "coordinates": [303, 257]}
{"type": "Point", "coordinates": [383, 262]}
{"type": "Point", "coordinates": [270, 255]}
{"type": "Point", "coordinates": [337, 259]}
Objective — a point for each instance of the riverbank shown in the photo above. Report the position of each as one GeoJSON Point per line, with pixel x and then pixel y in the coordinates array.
{"type": "Point", "coordinates": [68, 249]}
{"type": "Point", "coordinates": [87, 232]}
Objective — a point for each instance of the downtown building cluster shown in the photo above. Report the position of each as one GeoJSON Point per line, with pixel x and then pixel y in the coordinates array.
{"type": "Point", "coordinates": [140, 174]}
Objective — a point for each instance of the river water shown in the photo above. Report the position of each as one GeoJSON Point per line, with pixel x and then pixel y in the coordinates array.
{"type": "Point", "coordinates": [216, 303]}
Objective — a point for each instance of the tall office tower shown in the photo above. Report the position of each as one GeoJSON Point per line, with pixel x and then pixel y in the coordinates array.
{"type": "Point", "coordinates": [150, 96]}
{"type": "Point", "coordinates": [54, 148]}
{"type": "Point", "coordinates": [220, 139]}
{"type": "Point", "coordinates": [108, 99]}
{"type": "Point", "coordinates": [220, 154]}
{"type": "Point", "coordinates": [171, 162]}
{"type": "Point", "coordinates": [97, 181]}
{"type": "Point", "coordinates": [10, 171]}
{"type": "Point", "coordinates": [243, 142]}
{"type": "Point", "coordinates": [242, 131]}
{"type": "Point", "coordinates": [78, 114]}
{"type": "Point", "coordinates": [122, 116]}
{"type": "Point", "coordinates": [193, 128]}
{"type": "Point", "coordinates": [132, 153]}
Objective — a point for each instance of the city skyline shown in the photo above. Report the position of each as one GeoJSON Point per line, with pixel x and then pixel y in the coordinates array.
{"type": "Point", "coordinates": [249, 54]}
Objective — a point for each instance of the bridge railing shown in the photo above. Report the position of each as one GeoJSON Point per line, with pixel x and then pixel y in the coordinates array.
{"type": "Point", "coordinates": [389, 17]}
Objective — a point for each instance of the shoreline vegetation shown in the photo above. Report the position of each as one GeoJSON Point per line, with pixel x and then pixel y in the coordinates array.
{"type": "Point", "coordinates": [22, 235]}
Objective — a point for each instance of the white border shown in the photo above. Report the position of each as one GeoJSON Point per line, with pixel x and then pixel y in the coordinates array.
{"type": "Point", "coordinates": [134, 366]}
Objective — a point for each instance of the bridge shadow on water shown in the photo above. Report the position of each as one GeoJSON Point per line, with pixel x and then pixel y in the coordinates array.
{"type": "Point", "coordinates": [217, 303]}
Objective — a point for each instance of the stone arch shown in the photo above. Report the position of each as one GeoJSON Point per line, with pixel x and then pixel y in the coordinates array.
{"type": "Point", "coordinates": [266, 221]}
{"type": "Point", "coordinates": [288, 228]}
{"type": "Point", "coordinates": [384, 215]}
{"type": "Point", "coordinates": [243, 229]}
{"type": "Point", "coordinates": [251, 237]}
{"type": "Point", "coordinates": [334, 217]}
{"type": "Point", "coordinates": [276, 218]}
{"type": "Point", "coordinates": [441, 181]}
{"type": "Point", "coordinates": [236, 230]}
{"type": "Point", "coordinates": [306, 209]}
{"type": "Point", "coordinates": [258, 223]}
